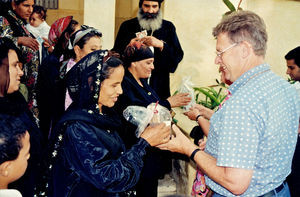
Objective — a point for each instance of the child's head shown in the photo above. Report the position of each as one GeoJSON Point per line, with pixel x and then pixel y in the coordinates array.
{"type": "Point", "coordinates": [14, 149]}
{"type": "Point", "coordinates": [38, 16]}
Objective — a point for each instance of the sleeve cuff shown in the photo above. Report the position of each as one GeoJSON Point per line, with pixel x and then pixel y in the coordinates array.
{"type": "Point", "coordinates": [141, 146]}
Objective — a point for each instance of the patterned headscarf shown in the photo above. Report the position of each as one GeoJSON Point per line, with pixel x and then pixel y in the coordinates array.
{"type": "Point", "coordinates": [83, 81]}
{"type": "Point", "coordinates": [57, 28]}
{"type": "Point", "coordinates": [78, 35]}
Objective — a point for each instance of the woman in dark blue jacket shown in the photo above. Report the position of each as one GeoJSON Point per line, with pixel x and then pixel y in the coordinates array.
{"type": "Point", "coordinates": [138, 61]}
{"type": "Point", "coordinates": [89, 157]}
{"type": "Point", "coordinates": [13, 103]}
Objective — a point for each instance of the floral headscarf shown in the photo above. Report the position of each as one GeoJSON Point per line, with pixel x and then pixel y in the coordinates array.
{"type": "Point", "coordinates": [84, 80]}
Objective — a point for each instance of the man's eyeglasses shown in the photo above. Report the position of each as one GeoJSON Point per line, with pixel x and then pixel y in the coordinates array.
{"type": "Point", "coordinates": [219, 53]}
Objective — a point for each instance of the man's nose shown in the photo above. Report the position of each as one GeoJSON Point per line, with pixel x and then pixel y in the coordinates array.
{"type": "Point", "coordinates": [217, 60]}
{"type": "Point", "coordinates": [151, 10]}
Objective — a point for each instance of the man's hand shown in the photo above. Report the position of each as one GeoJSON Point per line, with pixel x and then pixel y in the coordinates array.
{"type": "Point", "coordinates": [179, 143]}
{"type": "Point", "coordinates": [193, 113]}
{"type": "Point", "coordinates": [152, 41]}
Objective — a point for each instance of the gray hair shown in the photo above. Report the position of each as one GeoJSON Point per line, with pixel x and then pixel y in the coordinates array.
{"type": "Point", "coordinates": [244, 25]}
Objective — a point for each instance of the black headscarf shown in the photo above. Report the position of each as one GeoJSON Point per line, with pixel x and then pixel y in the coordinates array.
{"type": "Point", "coordinates": [84, 80]}
{"type": "Point", "coordinates": [159, 2]}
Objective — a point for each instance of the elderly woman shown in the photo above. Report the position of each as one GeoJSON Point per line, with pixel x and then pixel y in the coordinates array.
{"type": "Point", "coordinates": [13, 103]}
{"type": "Point", "coordinates": [12, 25]}
{"type": "Point", "coordinates": [138, 60]}
{"type": "Point", "coordinates": [89, 157]}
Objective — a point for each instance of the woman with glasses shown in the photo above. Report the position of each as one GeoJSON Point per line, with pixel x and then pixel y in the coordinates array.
{"type": "Point", "coordinates": [13, 103]}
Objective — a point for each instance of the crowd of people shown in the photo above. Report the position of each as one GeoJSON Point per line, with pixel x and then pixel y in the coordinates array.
{"type": "Point", "coordinates": [62, 98]}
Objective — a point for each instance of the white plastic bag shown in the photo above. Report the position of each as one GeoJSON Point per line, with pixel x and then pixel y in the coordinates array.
{"type": "Point", "coordinates": [142, 117]}
{"type": "Point", "coordinates": [187, 87]}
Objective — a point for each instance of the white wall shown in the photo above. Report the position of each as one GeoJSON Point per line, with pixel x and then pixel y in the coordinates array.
{"type": "Point", "coordinates": [194, 20]}
{"type": "Point", "coordinates": [101, 15]}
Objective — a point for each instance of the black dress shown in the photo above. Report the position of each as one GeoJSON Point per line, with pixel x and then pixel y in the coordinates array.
{"type": "Point", "coordinates": [15, 105]}
{"type": "Point", "coordinates": [93, 160]}
{"type": "Point", "coordinates": [166, 61]}
{"type": "Point", "coordinates": [157, 162]}
{"type": "Point", "coordinates": [50, 94]}
{"type": "Point", "coordinates": [89, 157]}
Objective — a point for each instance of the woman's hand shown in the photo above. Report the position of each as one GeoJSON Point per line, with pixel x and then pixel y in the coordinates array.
{"type": "Point", "coordinates": [28, 42]}
{"type": "Point", "coordinates": [180, 99]}
{"type": "Point", "coordinates": [46, 43]}
{"type": "Point", "coordinates": [157, 134]}
{"type": "Point", "coordinates": [178, 143]}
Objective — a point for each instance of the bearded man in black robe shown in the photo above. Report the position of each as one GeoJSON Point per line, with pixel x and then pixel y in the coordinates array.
{"type": "Point", "coordinates": [160, 35]}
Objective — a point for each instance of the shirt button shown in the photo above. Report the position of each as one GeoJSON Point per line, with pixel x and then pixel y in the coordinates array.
{"type": "Point", "coordinates": [122, 153]}
{"type": "Point", "coordinates": [149, 93]}
{"type": "Point", "coordinates": [108, 131]}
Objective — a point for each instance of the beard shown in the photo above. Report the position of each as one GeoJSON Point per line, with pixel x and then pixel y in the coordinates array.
{"type": "Point", "coordinates": [150, 21]}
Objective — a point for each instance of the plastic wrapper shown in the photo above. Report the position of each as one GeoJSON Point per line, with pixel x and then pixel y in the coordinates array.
{"type": "Point", "coordinates": [142, 116]}
{"type": "Point", "coordinates": [187, 87]}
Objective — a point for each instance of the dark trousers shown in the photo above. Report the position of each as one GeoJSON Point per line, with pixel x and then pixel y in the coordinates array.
{"type": "Point", "coordinates": [293, 179]}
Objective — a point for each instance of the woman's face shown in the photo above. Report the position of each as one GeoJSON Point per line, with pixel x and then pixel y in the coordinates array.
{"type": "Point", "coordinates": [35, 20]}
{"type": "Point", "coordinates": [19, 165]}
{"type": "Point", "coordinates": [143, 68]}
{"type": "Point", "coordinates": [93, 44]}
{"type": "Point", "coordinates": [15, 72]}
{"type": "Point", "coordinates": [24, 9]}
{"type": "Point", "coordinates": [111, 88]}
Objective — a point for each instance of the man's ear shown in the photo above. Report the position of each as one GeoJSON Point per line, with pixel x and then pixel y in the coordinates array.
{"type": "Point", "coordinates": [246, 49]}
{"type": "Point", "coordinates": [4, 168]}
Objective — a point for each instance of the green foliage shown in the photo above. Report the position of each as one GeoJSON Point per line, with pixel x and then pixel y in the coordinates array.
{"type": "Point", "coordinates": [213, 98]}
{"type": "Point", "coordinates": [231, 7]}
{"type": "Point", "coordinates": [291, 81]}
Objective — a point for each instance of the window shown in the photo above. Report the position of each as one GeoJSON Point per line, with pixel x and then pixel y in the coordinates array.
{"type": "Point", "coordinates": [49, 4]}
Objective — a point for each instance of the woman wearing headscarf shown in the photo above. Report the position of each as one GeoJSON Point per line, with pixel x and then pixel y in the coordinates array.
{"type": "Point", "coordinates": [81, 43]}
{"type": "Point", "coordinates": [50, 85]}
{"type": "Point", "coordinates": [14, 17]}
{"type": "Point", "coordinates": [89, 157]}
{"type": "Point", "coordinates": [138, 62]}
{"type": "Point", "coordinates": [13, 103]}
